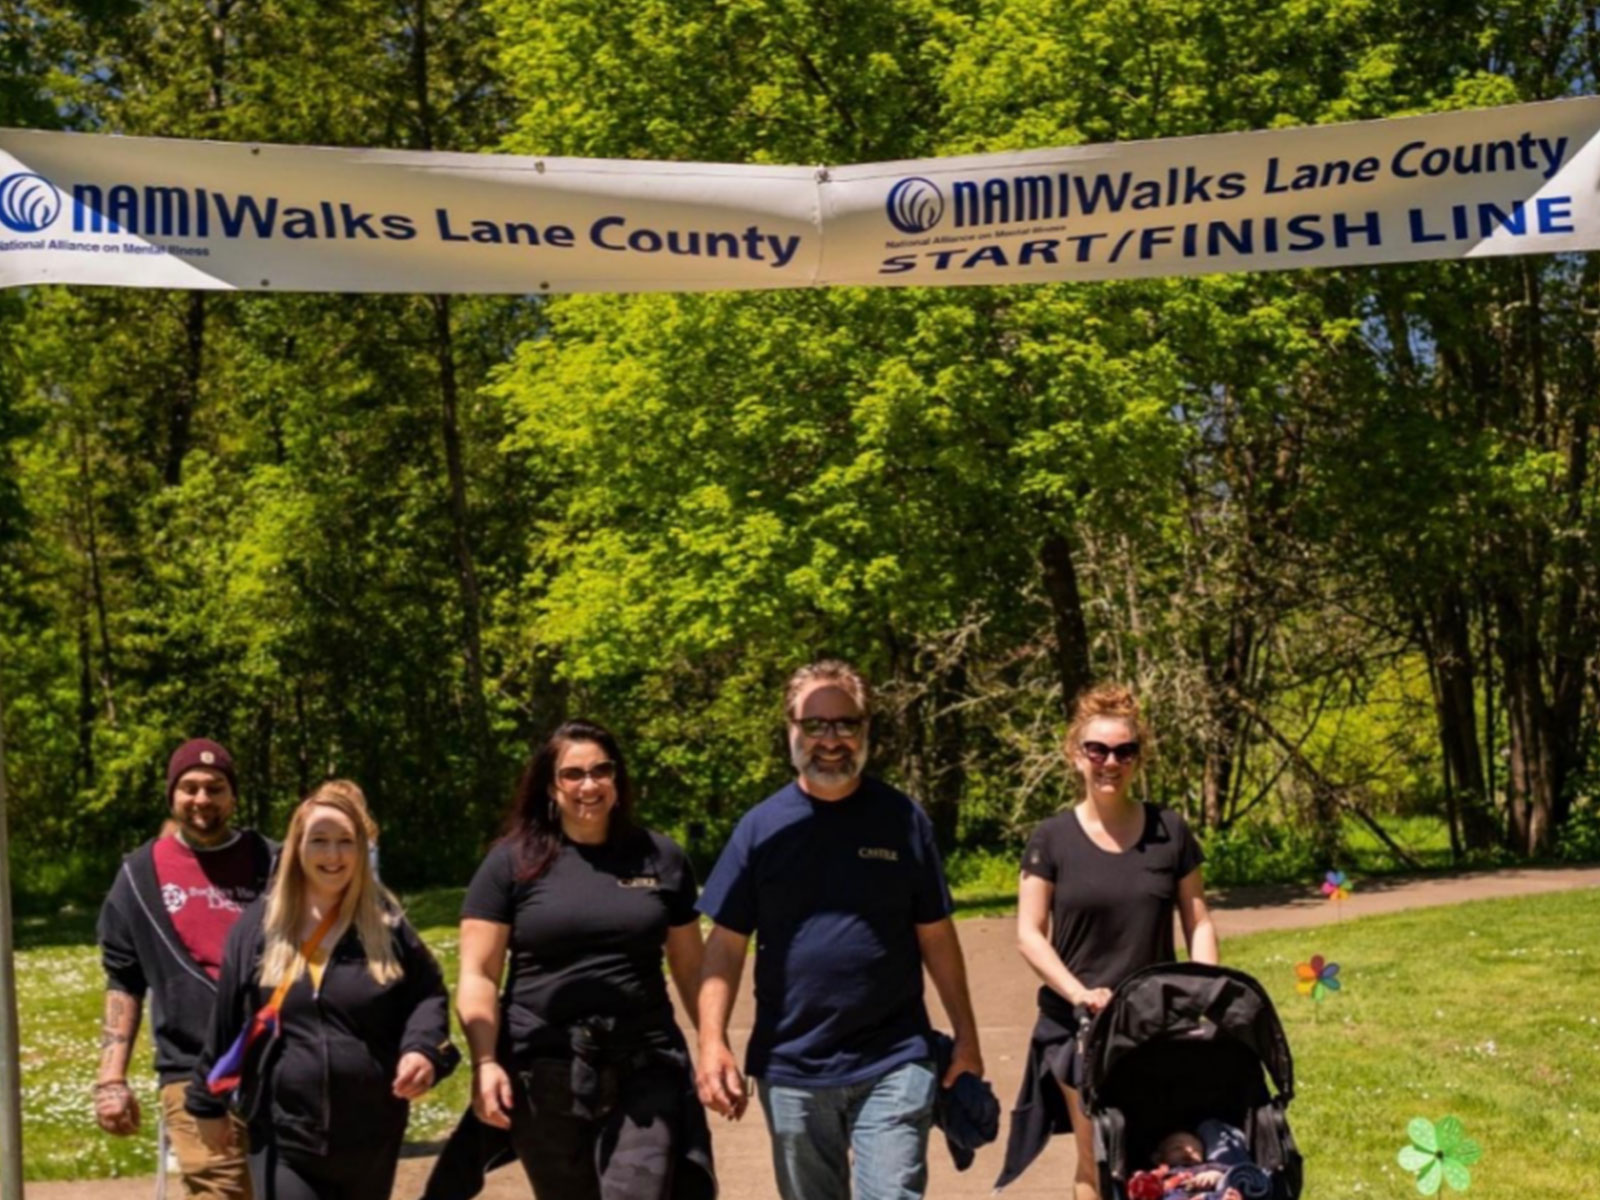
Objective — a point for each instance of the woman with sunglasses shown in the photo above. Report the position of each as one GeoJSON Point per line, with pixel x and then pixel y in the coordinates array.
{"type": "Point", "coordinates": [580, 1057]}
{"type": "Point", "coordinates": [1100, 882]}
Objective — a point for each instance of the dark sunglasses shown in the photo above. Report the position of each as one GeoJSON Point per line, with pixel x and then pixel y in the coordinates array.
{"type": "Point", "coordinates": [601, 772]}
{"type": "Point", "coordinates": [815, 727]}
{"type": "Point", "coordinates": [1098, 752]}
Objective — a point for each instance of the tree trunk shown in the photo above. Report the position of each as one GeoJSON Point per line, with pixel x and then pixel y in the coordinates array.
{"type": "Point", "coordinates": [185, 398]}
{"type": "Point", "coordinates": [1228, 679]}
{"type": "Point", "coordinates": [1577, 630]}
{"type": "Point", "coordinates": [1449, 645]}
{"type": "Point", "coordinates": [471, 597]}
{"type": "Point", "coordinates": [1490, 749]}
{"type": "Point", "coordinates": [1066, 612]}
{"type": "Point", "coordinates": [947, 777]}
{"type": "Point", "coordinates": [260, 794]}
{"type": "Point", "coordinates": [1452, 812]}
{"type": "Point", "coordinates": [460, 530]}
{"type": "Point", "coordinates": [217, 55]}
{"type": "Point", "coordinates": [86, 705]}
{"type": "Point", "coordinates": [1530, 801]}
{"type": "Point", "coordinates": [302, 752]}
{"type": "Point", "coordinates": [108, 670]}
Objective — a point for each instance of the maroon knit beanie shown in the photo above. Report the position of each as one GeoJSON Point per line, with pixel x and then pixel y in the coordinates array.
{"type": "Point", "coordinates": [199, 752]}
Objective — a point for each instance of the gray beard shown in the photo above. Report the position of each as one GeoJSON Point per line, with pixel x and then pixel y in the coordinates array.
{"type": "Point", "coordinates": [828, 776]}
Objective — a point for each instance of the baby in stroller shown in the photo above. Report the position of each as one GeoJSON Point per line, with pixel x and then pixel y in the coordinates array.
{"type": "Point", "coordinates": [1211, 1164]}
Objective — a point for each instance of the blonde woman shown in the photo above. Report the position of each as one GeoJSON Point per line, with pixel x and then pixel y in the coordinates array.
{"type": "Point", "coordinates": [361, 1022]}
{"type": "Point", "coordinates": [1100, 882]}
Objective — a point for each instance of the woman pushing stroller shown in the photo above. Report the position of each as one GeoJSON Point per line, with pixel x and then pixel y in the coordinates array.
{"type": "Point", "coordinates": [1100, 882]}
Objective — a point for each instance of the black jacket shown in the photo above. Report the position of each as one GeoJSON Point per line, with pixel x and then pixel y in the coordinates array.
{"type": "Point", "coordinates": [474, 1149]}
{"type": "Point", "coordinates": [141, 952]}
{"type": "Point", "coordinates": [336, 1048]}
{"type": "Point", "coordinates": [1041, 1110]}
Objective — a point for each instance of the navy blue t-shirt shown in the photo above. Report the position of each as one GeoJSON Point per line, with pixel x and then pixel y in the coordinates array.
{"type": "Point", "coordinates": [833, 891]}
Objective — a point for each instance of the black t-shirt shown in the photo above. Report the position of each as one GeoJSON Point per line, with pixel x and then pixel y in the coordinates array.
{"type": "Point", "coordinates": [586, 938]}
{"type": "Point", "coordinates": [1112, 912]}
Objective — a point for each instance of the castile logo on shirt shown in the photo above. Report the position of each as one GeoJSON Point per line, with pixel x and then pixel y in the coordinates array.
{"type": "Point", "coordinates": [882, 853]}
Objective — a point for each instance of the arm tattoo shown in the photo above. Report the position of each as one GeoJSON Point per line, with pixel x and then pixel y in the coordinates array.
{"type": "Point", "coordinates": [119, 1029]}
{"type": "Point", "coordinates": [122, 1012]}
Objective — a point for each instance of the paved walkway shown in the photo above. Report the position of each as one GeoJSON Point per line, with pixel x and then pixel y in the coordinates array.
{"type": "Point", "coordinates": [1003, 993]}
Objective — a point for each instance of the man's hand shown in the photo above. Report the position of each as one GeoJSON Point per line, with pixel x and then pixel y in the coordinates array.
{"type": "Point", "coordinates": [718, 1081]}
{"type": "Point", "coordinates": [492, 1095]}
{"type": "Point", "coordinates": [965, 1059]}
{"type": "Point", "coordinates": [413, 1076]}
{"type": "Point", "coordinates": [116, 1110]}
{"type": "Point", "coordinates": [941, 955]}
{"type": "Point", "coordinates": [216, 1133]}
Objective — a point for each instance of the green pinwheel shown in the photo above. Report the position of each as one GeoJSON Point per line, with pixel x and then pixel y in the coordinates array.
{"type": "Point", "coordinates": [1439, 1154]}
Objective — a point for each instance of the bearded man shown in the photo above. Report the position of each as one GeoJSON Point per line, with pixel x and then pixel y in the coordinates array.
{"type": "Point", "coordinates": [838, 876]}
{"type": "Point", "coordinates": [161, 932]}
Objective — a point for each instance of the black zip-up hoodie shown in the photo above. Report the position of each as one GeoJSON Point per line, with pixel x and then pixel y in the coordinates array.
{"type": "Point", "coordinates": [141, 953]}
{"type": "Point", "coordinates": [337, 1047]}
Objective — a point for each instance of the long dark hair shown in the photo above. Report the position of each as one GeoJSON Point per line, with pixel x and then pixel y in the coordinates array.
{"type": "Point", "coordinates": [534, 827]}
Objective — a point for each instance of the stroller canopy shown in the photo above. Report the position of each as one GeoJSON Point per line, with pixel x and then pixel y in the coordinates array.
{"type": "Point", "coordinates": [1186, 1003]}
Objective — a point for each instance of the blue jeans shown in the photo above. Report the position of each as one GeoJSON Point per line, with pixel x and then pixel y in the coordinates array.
{"type": "Point", "coordinates": [875, 1131]}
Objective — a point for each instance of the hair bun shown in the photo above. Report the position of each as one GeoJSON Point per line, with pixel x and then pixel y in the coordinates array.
{"type": "Point", "coordinates": [1108, 699]}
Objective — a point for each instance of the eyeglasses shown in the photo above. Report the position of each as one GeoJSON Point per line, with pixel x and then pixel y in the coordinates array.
{"type": "Point", "coordinates": [601, 772]}
{"type": "Point", "coordinates": [815, 727]}
{"type": "Point", "coordinates": [1099, 752]}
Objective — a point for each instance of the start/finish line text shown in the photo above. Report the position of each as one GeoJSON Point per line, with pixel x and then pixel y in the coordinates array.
{"type": "Point", "coordinates": [1217, 238]}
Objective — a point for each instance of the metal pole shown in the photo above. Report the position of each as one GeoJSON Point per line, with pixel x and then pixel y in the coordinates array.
{"type": "Point", "coordinates": [10, 1071]}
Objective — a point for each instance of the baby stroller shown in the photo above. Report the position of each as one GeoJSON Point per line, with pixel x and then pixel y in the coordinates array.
{"type": "Point", "coordinates": [1177, 1044]}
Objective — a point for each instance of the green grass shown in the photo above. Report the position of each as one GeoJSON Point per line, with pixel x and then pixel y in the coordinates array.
{"type": "Point", "coordinates": [1489, 1011]}
{"type": "Point", "coordinates": [60, 997]}
{"type": "Point", "coordinates": [983, 883]}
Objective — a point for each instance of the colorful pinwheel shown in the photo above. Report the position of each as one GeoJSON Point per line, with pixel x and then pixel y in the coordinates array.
{"type": "Point", "coordinates": [1335, 886]}
{"type": "Point", "coordinates": [1439, 1154]}
{"type": "Point", "coordinates": [1316, 978]}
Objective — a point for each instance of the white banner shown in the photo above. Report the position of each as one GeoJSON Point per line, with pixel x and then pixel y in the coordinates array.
{"type": "Point", "coordinates": [142, 212]}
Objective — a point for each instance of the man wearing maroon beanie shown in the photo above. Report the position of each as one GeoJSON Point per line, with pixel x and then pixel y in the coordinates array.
{"type": "Point", "coordinates": [162, 930]}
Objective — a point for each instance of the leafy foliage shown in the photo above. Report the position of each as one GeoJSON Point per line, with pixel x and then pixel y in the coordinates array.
{"type": "Point", "coordinates": [1340, 528]}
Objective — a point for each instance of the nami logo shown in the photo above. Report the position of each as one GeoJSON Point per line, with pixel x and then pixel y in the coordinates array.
{"type": "Point", "coordinates": [915, 205]}
{"type": "Point", "coordinates": [28, 203]}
